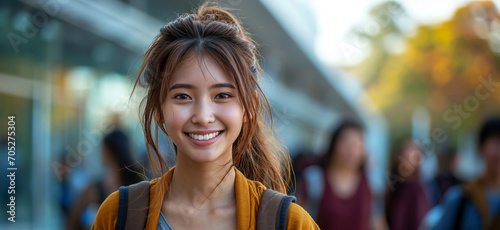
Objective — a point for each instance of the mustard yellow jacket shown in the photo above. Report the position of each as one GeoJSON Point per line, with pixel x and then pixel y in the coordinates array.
{"type": "Point", "coordinates": [248, 195]}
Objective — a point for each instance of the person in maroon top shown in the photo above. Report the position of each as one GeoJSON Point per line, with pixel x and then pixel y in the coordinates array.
{"type": "Point", "coordinates": [336, 193]}
{"type": "Point", "coordinates": [406, 201]}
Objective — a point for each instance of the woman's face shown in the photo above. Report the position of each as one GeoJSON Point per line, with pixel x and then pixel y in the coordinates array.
{"type": "Point", "coordinates": [350, 150]}
{"type": "Point", "coordinates": [491, 152]}
{"type": "Point", "coordinates": [202, 112]}
{"type": "Point", "coordinates": [409, 159]}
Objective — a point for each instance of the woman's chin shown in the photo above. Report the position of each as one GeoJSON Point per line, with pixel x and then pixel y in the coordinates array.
{"type": "Point", "coordinates": [204, 156]}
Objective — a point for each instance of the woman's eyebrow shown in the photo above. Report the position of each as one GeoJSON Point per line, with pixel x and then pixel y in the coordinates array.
{"type": "Point", "coordinates": [181, 85]}
{"type": "Point", "coordinates": [223, 85]}
{"type": "Point", "coordinates": [188, 86]}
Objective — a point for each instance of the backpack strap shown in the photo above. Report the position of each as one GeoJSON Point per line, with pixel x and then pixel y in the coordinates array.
{"type": "Point", "coordinates": [460, 213]}
{"type": "Point", "coordinates": [476, 193]}
{"type": "Point", "coordinates": [495, 224]}
{"type": "Point", "coordinates": [133, 206]}
{"type": "Point", "coordinates": [273, 210]}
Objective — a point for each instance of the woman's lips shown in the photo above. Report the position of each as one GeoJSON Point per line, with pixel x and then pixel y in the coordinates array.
{"type": "Point", "coordinates": [204, 138]}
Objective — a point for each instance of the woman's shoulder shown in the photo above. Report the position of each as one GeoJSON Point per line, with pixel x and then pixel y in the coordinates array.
{"type": "Point", "coordinates": [244, 185]}
{"type": "Point", "coordinates": [298, 218]}
{"type": "Point", "coordinates": [108, 212]}
{"type": "Point", "coordinates": [452, 197]}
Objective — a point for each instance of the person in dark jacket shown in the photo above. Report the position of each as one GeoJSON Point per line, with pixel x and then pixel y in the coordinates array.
{"type": "Point", "coordinates": [121, 169]}
{"type": "Point", "coordinates": [476, 205]}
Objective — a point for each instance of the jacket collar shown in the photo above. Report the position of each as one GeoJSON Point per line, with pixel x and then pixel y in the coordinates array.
{"type": "Point", "coordinates": [247, 199]}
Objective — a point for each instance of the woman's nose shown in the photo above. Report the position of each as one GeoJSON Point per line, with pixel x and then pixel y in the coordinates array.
{"type": "Point", "coordinates": [203, 113]}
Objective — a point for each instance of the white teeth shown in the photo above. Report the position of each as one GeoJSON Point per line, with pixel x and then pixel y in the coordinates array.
{"type": "Point", "coordinates": [204, 137]}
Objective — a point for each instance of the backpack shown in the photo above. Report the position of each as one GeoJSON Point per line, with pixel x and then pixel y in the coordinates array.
{"type": "Point", "coordinates": [473, 197]}
{"type": "Point", "coordinates": [133, 211]}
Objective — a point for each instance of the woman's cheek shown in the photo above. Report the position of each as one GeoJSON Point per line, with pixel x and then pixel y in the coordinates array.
{"type": "Point", "coordinates": [232, 114]}
{"type": "Point", "coordinates": [175, 117]}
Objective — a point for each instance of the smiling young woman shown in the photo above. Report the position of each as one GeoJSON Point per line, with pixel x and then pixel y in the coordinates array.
{"type": "Point", "coordinates": [203, 93]}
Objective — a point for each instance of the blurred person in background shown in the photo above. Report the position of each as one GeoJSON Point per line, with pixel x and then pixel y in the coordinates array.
{"type": "Point", "coordinates": [120, 169]}
{"type": "Point", "coordinates": [65, 195]}
{"type": "Point", "coordinates": [446, 177]}
{"type": "Point", "coordinates": [476, 205]}
{"type": "Point", "coordinates": [337, 193]}
{"type": "Point", "coordinates": [302, 160]}
{"type": "Point", "coordinates": [406, 200]}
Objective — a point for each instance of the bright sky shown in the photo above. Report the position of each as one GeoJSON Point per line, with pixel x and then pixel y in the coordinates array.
{"type": "Point", "coordinates": [335, 19]}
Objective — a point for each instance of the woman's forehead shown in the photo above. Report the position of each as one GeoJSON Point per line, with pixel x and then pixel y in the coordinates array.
{"type": "Point", "coordinates": [199, 69]}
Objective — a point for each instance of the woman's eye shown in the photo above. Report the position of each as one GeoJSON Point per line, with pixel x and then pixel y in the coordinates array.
{"type": "Point", "coordinates": [222, 96]}
{"type": "Point", "coordinates": [181, 96]}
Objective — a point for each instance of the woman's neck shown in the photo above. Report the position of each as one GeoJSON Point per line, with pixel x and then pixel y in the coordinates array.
{"type": "Point", "coordinates": [344, 181]}
{"type": "Point", "coordinates": [207, 185]}
{"type": "Point", "coordinates": [343, 170]}
{"type": "Point", "coordinates": [493, 181]}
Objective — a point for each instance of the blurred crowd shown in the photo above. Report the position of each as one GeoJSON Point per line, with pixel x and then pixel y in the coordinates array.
{"type": "Point", "coordinates": [80, 203]}
{"type": "Point", "coordinates": [335, 191]}
{"type": "Point", "coordinates": [334, 188]}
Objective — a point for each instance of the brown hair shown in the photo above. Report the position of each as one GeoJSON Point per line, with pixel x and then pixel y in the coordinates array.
{"type": "Point", "coordinates": [213, 32]}
{"type": "Point", "coordinates": [346, 124]}
{"type": "Point", "coordinates": [395, 177]}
